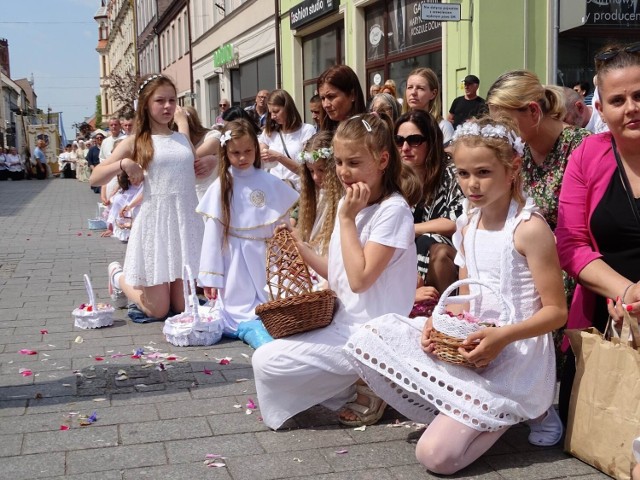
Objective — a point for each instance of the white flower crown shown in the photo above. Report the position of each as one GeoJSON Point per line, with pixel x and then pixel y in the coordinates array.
{"type": "Point", "coordinates": [472, 129]}
{"type": "Point", "coordinates": [314, 156]}
{"type": "Point", "coordinates": [226, 136]}
{"type": "Point", "coordinates": [144, 84]}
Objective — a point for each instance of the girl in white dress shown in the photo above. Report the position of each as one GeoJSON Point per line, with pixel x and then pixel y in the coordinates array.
{"type": "Point", "coordinates": [320, 192]}
{"type": "Point", "coordinates": [241, 209]}
{"type": "Point", "coordinates": [502, 241]}
{"type": "Point", "coordinates": [167, 233]}
{"type": "Point", "coordinates": [370, 254]}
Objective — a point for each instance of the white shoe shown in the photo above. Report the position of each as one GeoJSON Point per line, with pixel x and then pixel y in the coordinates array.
{"type": "Point", "coordinates": [547, 431]}
{"type": "Point", "coordinates": [118, 298]}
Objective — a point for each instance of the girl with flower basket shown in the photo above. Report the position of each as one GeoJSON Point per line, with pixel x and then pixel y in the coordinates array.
{"type": "Point", "coordinates": [241, 208]}
{"type": "Point", "coordinates": [509, 376]}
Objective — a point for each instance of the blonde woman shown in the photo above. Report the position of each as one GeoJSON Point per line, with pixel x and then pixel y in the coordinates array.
{"type": "Point", "coordinates": [423, 93]}
{"type": "Point", "coordinates": [538, 111]}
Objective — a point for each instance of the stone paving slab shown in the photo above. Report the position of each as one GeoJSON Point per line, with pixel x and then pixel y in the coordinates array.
{"type": "Point", "coordinates": [161, 424]}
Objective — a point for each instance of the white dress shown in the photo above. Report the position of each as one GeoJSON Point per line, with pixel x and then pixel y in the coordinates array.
{"type": "Point", "coordinates": [202, 184]}
{"type": "Point", "coordinates": [259, 202]}
{"type": "Point", "coordinates": [167, 232]}
{"type": "Point", "coordinates": [295, 373]}
{"type": "Point", "coordinates": [517, 385]}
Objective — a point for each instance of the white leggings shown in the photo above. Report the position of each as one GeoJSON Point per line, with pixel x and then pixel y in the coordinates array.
{"type": "Point", "coordinates": [448, 446]}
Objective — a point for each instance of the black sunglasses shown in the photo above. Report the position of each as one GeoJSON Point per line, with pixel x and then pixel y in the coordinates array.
{"type": "Point", "coordinates": [614, 52]}
{"type": "Point", "coordinates": [413, 140]}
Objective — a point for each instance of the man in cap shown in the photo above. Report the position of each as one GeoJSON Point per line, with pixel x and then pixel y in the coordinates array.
{"type": "Point", "coordinates": [469, 105]}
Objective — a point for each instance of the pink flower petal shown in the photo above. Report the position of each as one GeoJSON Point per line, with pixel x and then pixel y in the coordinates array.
{"type": "Point", "coordinates": [136, 356]}
{"type": "Point", "coordinates": [79, 234]}
{"type": "Point", "coordinates": [206, 371]}
{"type": "Point", "coordinates": [64, 427]}
{"type": "Point", "coordinates": [251, 405]}
{"type": "Point", "coordinates": [26, 351]}
{"type": "Point", "coordinates": [44, 331]}
{"type": "Point", "coordinates": [342, 452]}
{"type": "Point", "coordinates": [213, 455]}
{"type": "Point", "coordinates": [98, 359]}
{"type": "Point", "coordinates": [88, 234]}
{"type": "Point", "coordinates": [172, 358]}
{"type": "Point", "coordinates": [25, 372]}
{"type": "Point", "coordinates": [224, 361]}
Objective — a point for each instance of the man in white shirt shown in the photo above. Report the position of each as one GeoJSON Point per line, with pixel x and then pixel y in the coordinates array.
{"type": "Point", "coordinates": [105, 151]}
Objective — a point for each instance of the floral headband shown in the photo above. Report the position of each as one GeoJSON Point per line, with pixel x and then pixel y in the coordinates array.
{"type": "Point", "coordinates": [151, 78]}
{"type": "Point", "coordinates": [226, 136]}
{"type": "Point", "coordinates": [315, 155]}
{"type": "Point", "coordinates": [472, 129]}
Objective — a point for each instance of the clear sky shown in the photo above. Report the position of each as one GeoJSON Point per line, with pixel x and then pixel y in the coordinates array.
{"type": "Point", "coordinates": [56, 41]}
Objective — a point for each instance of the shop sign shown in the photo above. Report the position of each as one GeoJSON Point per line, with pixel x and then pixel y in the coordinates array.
{"type": "Point", "coordinates": [310, 10]}
{"type": "Point", "coordinates": [225, 56]}
{"type": "Point", "coordinates": [612, 13]}
{"type": "Point", "coordinates": [443, 12]}
{"type": "Point", "coordinates": [408, 29]}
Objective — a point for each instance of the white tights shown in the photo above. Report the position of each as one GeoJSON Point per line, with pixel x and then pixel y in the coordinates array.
{"type": "Point", "coordinates": [448, 446]}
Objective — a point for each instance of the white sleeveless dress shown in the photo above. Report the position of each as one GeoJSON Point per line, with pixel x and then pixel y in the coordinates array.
{"type": "Point", "coordinates": [167, 232]}
{"type": "Point", "coordinates": [517, 385]}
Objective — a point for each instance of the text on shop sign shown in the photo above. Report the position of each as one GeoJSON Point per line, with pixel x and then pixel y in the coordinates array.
{"type": "Point", "coordinates": [310, 10]}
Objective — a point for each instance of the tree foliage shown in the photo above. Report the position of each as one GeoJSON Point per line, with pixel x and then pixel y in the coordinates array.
{"type": "Point", "coordinates": [98, 111]}
{"type": "Point", "coordinates": [123, 90]}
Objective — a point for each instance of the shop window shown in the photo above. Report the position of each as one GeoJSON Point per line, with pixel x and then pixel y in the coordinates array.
{"type": "Point", "coordinates": [213, 87]}
{"type": "Point", "coordinates": [254, 75]}
{"type": "Point", "coordinates": [398, 41]}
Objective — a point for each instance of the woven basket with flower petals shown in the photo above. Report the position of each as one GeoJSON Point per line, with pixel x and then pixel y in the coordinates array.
{"type": "Point", "coordinates": [293, 306]}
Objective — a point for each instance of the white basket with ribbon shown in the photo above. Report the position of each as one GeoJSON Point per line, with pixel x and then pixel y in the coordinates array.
{"type": "Point", "coordinates": [192, 327]}
{"type": "Point", "coordinates": [92, 314]}
{"type": "Point", "coordinates": [449, 330]}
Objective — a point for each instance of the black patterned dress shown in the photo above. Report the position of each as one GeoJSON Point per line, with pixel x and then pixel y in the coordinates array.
{"type": "Point", "coordinates": [446, 203]}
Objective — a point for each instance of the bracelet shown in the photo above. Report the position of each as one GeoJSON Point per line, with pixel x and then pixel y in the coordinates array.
{"type": "Point", "coordinates": [626, 290]}
{"type": "Point", "coordinates": [121, 165]}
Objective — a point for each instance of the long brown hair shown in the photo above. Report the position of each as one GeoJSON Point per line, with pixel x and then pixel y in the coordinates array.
{"type": "Point", "coordinates": [197, 131]}
{"type": "Point", "coordinates": [375, 132]}
{"type": "Point", "coordinates": [282, 99]}
{"type": "Point", "coordinates": [143, 145]}
{"type": "Point", "coordinates": [236, 129]}
{"type": "Point", "coordinates": [436, 160]}
{"type": "Point", "coordinates": [332, 192]}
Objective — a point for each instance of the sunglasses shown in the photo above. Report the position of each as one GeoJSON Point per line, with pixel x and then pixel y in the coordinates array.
{"type": "Point", "coordinates": [413, 140]}
{"type": "Point", "coordinates": [614, 52]}
{"type": "Point", "coordinates": [223, 105]}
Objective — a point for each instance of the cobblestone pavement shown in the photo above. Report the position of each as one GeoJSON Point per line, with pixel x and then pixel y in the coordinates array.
{"type": "Point", "coordinates": [162, 424]}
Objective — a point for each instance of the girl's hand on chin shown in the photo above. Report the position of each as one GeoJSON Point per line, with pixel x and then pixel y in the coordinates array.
{"type": "Point", "coordinates": [355, 199]}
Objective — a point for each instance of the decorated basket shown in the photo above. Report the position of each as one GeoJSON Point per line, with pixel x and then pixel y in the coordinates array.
{"type": "Point", "coordinates": [449, 330]}
{"type": "Point", "coordinates": [192, 327]}
{"type": "Point", "coordinates": [293, 306]}
{"type": "Point", "coordinates": [92, 314]}
{"type": "Point", "coordinates": [98, 223]}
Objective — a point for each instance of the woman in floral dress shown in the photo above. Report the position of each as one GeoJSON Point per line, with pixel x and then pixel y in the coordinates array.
{"type": "Point", "coordinates": [538, 111]}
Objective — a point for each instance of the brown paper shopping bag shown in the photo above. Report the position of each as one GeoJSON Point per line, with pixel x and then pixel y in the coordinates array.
{"type": "Point", "coordinates": [604, 411]}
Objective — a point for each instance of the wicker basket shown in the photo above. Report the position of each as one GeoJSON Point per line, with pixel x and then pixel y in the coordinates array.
{"type": "Point", "coordinates": [450, 331]}
{"type": "Point", "coordinates": [192, 327]}
{"type": "Point", "coordinates": [293, 306]}
{"type": "Point", "coordinates": [93, 315]}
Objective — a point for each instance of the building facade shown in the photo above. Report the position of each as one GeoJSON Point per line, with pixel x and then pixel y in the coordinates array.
{"type": "Point", "coordinates": [233, 52]}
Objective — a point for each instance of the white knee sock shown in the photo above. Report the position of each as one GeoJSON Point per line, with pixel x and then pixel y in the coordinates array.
{"type": "Point", "coordinates": [115, 281]}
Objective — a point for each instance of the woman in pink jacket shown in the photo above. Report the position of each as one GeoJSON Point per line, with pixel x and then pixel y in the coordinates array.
{"type": "Point", "coordinates": [598, 230]}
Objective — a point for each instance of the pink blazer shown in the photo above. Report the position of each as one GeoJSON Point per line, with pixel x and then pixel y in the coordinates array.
{"type": "Point", "coordinates": [585, 181]}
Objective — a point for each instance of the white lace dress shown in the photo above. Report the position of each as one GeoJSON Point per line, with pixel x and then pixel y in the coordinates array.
{"type": "Point", "coordinates": [516, 386]}
{"type": "Point", "coordinates": [167, 232]}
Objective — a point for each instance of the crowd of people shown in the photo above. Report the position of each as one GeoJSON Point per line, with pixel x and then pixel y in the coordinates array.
{"type": "Point", "coordinates": [392, 205]}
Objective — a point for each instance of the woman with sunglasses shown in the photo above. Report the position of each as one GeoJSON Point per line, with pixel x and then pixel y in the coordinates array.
{"type": "Point", "coordinates": [538, 111]}
{"type": "Point", "coordinates": [598, 232]}
{"type": "Point", "coordinates": [419, 141]}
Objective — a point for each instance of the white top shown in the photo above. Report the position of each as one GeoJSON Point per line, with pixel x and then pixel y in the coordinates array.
{"type": "Point", "coordinates": [447, 130]}
{"type": "Point", "coordinates": [202, 184]}
{"type": "Point", "coordinates": [13, 162]}
{"type": "Point", "coordinates": [295, 143]}
{"type": "Point", "coordinates": [107, 146]}
{"type": "Point", "coordinates": [386, 223]}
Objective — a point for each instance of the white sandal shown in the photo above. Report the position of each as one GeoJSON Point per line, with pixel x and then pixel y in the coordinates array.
{"type": "Point", "coordinates": [548, 431]}
{"type": "Point", "coordinates": [366, 414]}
